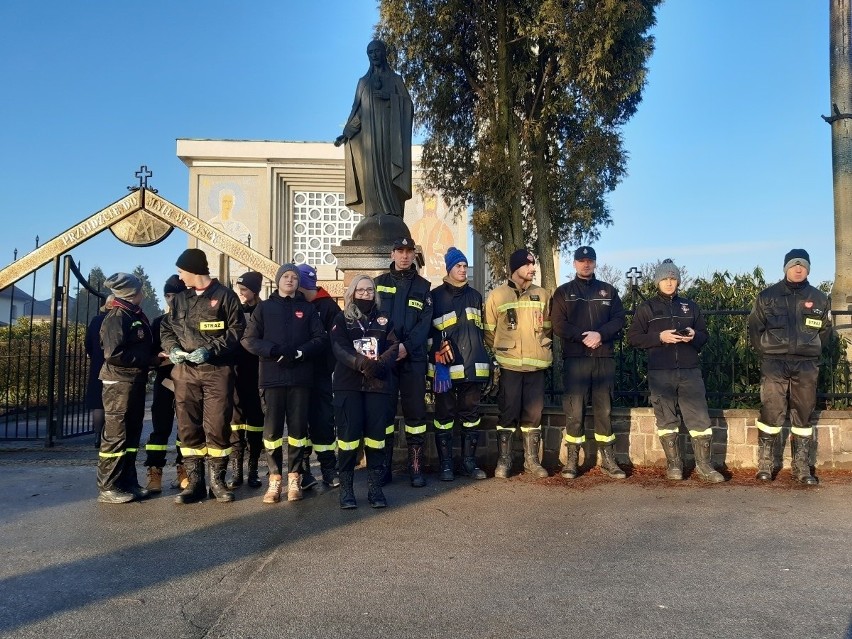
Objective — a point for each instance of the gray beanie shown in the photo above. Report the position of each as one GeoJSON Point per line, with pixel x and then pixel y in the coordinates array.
{"type": "Point", "coordinates": [284, 268]}
{"type": "Point", "coordinates": [665, 270]}
{"type": "Point", "coordinates": [123, 285]}
{"type": "Point", "coordinates": [797, 257]}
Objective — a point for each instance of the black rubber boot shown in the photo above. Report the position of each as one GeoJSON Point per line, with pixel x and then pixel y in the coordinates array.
{"type": "Point", "coordinates": [374, 492]}
{"type": "Point", "coordinates": [387, 464]}
{"type": "Point", "coordinates": [801, 468]}
{"type": "Point", "coordinates": [218, 467]}
{"type": "Point", "coordinates": [469, 467]}
{"type": "Point", "coordinates": [444, 444]}
{"type": "Point", "coordinates": [674, 462]}
{"type": "Point", "coordinates": [347, 492]}
{"type": "Point", "coordinates": [532, 441]}
{"type": "Point", "coordinates": [765, 456]}
{"type": "Point", "coordinates": [308, 479]}
{"type": "Point", "coordinates": [703, 465]}
{"type": "Point", "coordinates": [571, 468]}
{"type": "Point", "coordinates": [608, 463]}
{"type": "Point", "coordinates": [504, 453]}
{"type": "Point", "coordinates": [195, 489]}
{"type": "Point", "coordinates": [415, 465]}
{"type": "Point", "coordinates": [254, 440]}
{"type": "Point", "coordinates": [328, 469]}
{"type": "Point", "coordinates": [253, 479]}
{"type": "Point", "coordinates": [235, 461]}
{"type": "Point", "coordinates": [129, 479]}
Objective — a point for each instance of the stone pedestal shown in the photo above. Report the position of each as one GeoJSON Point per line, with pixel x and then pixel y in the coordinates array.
{"type": "Point", "coordinates": [369, 250]}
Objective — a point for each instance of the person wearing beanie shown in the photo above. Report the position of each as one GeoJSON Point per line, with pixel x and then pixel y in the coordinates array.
{"type": "Point", "coordinates": [200, 335]}
{"type": "Point", "coordinates": [672, 330]}
{"type": "Point", "coordinates": [518, 331]}
{"type": "Point", "coordinates": [588, 317]}
{"type": "Point", "coordinates": [321, 431]}
{"type": "Point", "coordinates": [287, 336]}
{"type": "Point", "coordinates": [247, 419]}
{"type": "Point", "coordinates": [127, 345]}
{"type": "Point", "coordinates": [405, 295]}
{"type": "Point", "coordinates": [789, 325]}
{"type": "Point", "coordinates": [95, 355]}
{"type": "Point", "coordinates": [458, 349]}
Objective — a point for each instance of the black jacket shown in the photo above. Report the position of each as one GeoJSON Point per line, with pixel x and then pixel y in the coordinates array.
{"type": "Point", "coordinates": [586, 305]}
{"type": "Point", "coordinates": [457, 317]}
{"type": "Point", "coordinates": [277, 325]}
{"type": "Point", "coordinates": [405, 298]}
{"type": "Point", "coordinates": [127, 344]}
{"type": "Point", "coordinates": [790, 321]}
{"type": "Point", "coordinates": [660, 314]}
{"type": "Point", "coordinates": [347, 373]}
{"type": "Point", "coordinates": [328, 310]}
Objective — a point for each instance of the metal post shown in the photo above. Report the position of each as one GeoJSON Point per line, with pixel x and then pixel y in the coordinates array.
{"type": "Point", "coordinates": [51, 358]}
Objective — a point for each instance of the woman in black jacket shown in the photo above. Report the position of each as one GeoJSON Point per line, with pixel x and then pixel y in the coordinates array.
{"type": "Point", "coordinates": [365, 387]}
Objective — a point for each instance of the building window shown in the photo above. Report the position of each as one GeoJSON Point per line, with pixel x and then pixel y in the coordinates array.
{"type": "Point", "coordinates": [321, 222]}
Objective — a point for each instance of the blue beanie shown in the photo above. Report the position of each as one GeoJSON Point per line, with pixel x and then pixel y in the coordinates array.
{"type": "Point", "coordinates": [453, 257]}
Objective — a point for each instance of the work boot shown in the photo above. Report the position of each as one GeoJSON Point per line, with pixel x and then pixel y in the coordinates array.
{"type": "Point", "coordinates": [608, 464]}
{"type": "Point", "coordinates": [253, 480]}
{"type": "Point", "coordinates": [155, 480]}
{"type": "Point", "coordinates": [294, 486]}
{"type": "Point", "coordinates": [347, 493]}
{"type": "Point", "coordinates": [308, 479]}
{"type": "Point", "coordinates": [218, 468]}
{"type": "Point", "coordinates": [674, 462]}
{"type": "Point", "coordinates": [273, 492]}
{"type": "Point", "coordinates": [415, 465]}
{"type": "Point", "coordinates": [195, 489]}
{"type": "Point", "coordinates": [328, 469]}
{"type": "Point", "coordinates": [444, 444]}
{"type": "Point", "coordinates": [115, 496]}
{"type": "Point", "coordinates": [236, 463]}
{"type": "Point", "coordinates": [703, 465]}
{"type": "Point", "coordinates": [572, 458]}
{"type": "Point", "coordinates": [130, 480]}
{"type": "Point", "coordinates": [504, 453]}
{"type": "Point", "coordinates": [181, 481]}
{"type": "Point", "coordinates": [375, 496]}
{"type": "Point", "coordinates": [469, 467]}
{"type": "Point", "coordinates": [801, 453]}
{"type": "Point", "coordinates": [532, 441]}
{"type": "Point", "coordinates": [765, 456]}
{"type": "Point", "coordinates": [387, 464]}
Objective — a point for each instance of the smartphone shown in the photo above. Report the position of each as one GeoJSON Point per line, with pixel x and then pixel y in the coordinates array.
{"type": "Point", "coordinates": [683, 332]}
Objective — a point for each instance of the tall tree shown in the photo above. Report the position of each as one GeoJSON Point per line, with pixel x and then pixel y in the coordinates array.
{"type": "Point", "coordinates": [88, 304]}
{"type": "Point", "coordinates": [150, 303]}
{"type": "Point", "coordinates": [522, 103]}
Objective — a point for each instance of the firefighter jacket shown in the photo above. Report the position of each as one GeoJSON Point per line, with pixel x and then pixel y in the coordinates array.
{"type": "Point", "coordinates": [127, 344]}
{"type": "Point", "coordinates": [405, 297]}
{"type": "Point", "coordinates": [587, 305]}
{"type": "Point", "coordinates": [517, 327]}
{"type": "Point", "coordinates": [662, 313]}
{"type": "Point", "coordinates": [280, 326]}
{"type": "Point", "coordinates": [345, 333]}
{"type": "Point", "coordinates": [790, 321]}
{"type": "Point", "coordinates": [328, 310]}
{"type": "Point", "coordinates": [212, 319]}
{"type": "Point", "coordinates": [457, 318]}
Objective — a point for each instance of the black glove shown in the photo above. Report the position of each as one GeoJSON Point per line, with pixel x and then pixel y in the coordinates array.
{"type": "Point", "coordinates": [288, 354]}
{"type": "Point", "coordinates": [372, 368]}
{"type": "Point", "coordinates": [275, 352]}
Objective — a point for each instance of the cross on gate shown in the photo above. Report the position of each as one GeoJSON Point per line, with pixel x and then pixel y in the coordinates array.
{"type": "Point", "coordinates": [634, 276]}
{"type": "Point", "coordinates": [143, 174]}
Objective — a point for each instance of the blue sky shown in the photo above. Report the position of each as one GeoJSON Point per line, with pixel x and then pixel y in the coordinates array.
{"type": "Point", "coordinates": [730, 163]}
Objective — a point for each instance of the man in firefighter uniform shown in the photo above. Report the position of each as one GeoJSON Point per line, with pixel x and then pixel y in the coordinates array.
{"type": "Point", "coordinates": [588, 316]}
{"type": "Point", "coordinates": [788, 327]}
{"type": "Point", "coordinates": [405, 297]}
{"type": "Point", "coordinates": [200, 335]}
{"type": "Point", "coordinates": [517, 328]}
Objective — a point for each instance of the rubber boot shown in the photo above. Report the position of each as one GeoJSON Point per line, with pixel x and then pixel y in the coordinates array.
{"type": "Point", "coordinates": [347, 492]}
{"type": "Point", "coordinates": [504, 453]}
{"type": "Point", "coordinates": [130, 480]}
{"type": "Point", "coordinates": [273, 492]}
{"type": "Point", "coordinates": [308, 479]}
{"type": "Point", "coordinates": [703, 465]}
{"type": "Point", "coordinates": [182, 480]}
{"type": "Point", "coordinates": [195, 489]}
{"type": "Point", "coordinates": [608, 463]}
{"type": "Point", "coordinates": [294, 486]}
{"type": "Point", "coordinates": [469, 467]}
{"type": "Point", "coordinates": [253, 480]}
{"type": "Point", "coordinates": [218, 469]}
{"type": "Point", "coordinates": [328, 469]}
{"type": "Point", "coordinates": [415, 465]}
{"type": "Point", "coordinates": [532, 442]}
{"type": "Point", "coordinates": [444, 444]}
{"type": "Point", "coordinates": [374, 491]}
{"type": "Point", "coordinates": [765, 456]}
{"type": "Point", "coordinates": [674, 462]}
{"type": "Point", "coordinates": [235, 461]}
{"type": "Point", "coordinates": [155, 480]}
{"type": "Point", "coordinates": [572, 458]}
{"type": "Point", "coordinates": [387, 464]}
{"type": "Point", "coordinates": [801, 453]}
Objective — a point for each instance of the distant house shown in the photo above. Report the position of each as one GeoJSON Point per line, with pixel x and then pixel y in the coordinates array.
{"type": "Point", "coordinates": [16, 303]}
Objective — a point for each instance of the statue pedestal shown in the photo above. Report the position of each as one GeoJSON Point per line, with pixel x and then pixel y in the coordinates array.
{"type": "Point", "coordinates": [369, 250]}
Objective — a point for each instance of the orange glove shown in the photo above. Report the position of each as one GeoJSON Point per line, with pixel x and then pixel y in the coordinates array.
{"type": "Point", "coordinates": [444, 355]}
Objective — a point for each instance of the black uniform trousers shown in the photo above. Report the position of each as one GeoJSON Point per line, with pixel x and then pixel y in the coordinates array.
{"type": "Point", "coordinates": [362, 416]}
{"type": "Point", "coordinates": [783, 378]}
{"type": "Point", "coordinates": [124, 410]}
{"type": "Point", "coordinates": [679, 392]}
{"type": "Point", "coordinates": [247, 419]}
{"type": "Point", "coordinates": [285, 405]}
{"type": "Point", "coordinates": [584, 376]}
{"type": "Point", "coordinates": [459, 404]}
{"type": "Point", "coordinates": [321, 418]}
{"type": "Point", "coordinates": [520, 400]}
{"type": "Point", "coordinates": [204, 404]}
{"type": "Point", "coordinates": [162, 421]}
{"type": "Point", "coordinates": [412, 392]}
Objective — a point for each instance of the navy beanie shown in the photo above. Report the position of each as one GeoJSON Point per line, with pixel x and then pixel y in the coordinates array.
{"type": "Point", "coordinates": [797, 257]}
{"type": "Point", "coordinates": [519, 258]}
{"type": "Point", "coordinates": [453, 257]}
{"type": "Point", "coordinates": [251, 280]}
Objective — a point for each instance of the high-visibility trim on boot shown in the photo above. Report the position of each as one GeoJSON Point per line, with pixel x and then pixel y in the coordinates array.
{"type": "Point", "coordinates": [219, 452]}
{"type": "Point", "coordinates": [272, 444]}
{"type": "Point", "coordinates": [350, 445]}
{"type": "Point", "coordinates": [377, 444]}
{"type": "Point", "coordinates": [193, 452]}
{"type": "Point", "coordinates": [604, 439]}
{"type": "Point", "coordinates": [707, 432]}
{"type": "Point", "coordinates": [472, 424]}
{"type": "Point", "coordinates": [324, 448]}
{"type": "Point", "coordinates": [415, 429]}
{"type": "Point", "coordinates": [570, 439]}
{"type": "Point", "coordinates": [443, 426]}
{"type": "Point", "coordinates": [298, 443]}
{"type": "Point", "coordinates": [662, 432]}
{"type": "Point", "coordinates": [766, 428]}
{"type": "Point", "coordinates": [799, 431]}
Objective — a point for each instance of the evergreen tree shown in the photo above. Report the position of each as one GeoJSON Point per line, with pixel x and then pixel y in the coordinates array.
{"type": "Point", "coordinates": [150, 303]}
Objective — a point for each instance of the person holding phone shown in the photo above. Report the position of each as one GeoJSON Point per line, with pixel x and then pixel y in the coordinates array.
{"type": "Point", "coordinates": [671, 329]}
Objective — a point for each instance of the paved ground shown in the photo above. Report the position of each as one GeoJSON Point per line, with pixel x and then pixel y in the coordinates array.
{"type": "Point", "coordinates": [506, 559]}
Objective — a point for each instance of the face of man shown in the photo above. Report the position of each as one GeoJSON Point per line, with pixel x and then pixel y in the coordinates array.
{"type": "Point", "coordinates": [526, 273]}
{"type": "Point", "coordinates": [190, 279]}
{"type": "Point", "coordinates": [668, 286]}
{"type": "Point", "coordinates": [169, 297]}
{"type": "Point", "coordinates": [137, 299]}
{"type": "Point", "coordinates": [226, 204]}
{"type": "Point", "coordinates": [376, 54]}
{"type": "Point", "coordinates": [797, 273]}
{"type": "Point", "coordinates": [585, 268]}
{"type": "Point", "coordinates": [459, 272]}
{"type": "Point", "coordinates": [402, 258]}
{"type": "Point", "coordinates": [246, 295]}
{"type": "Point", "coordinates": [288, 283]}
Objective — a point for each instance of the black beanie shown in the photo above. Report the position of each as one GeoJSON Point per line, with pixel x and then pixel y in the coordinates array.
{"type": "Point", "coordinates": [193, 260]}
{"type": "Point", "coordinates": [174, 285]}
{"type": "Point", "coordinates": [519, 258]}
{"type": "Point", "coordinates": [252, 281]}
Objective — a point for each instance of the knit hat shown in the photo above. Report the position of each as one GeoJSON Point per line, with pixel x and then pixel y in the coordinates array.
{"type": "Point", "coordinates": [585, 253]}
{"type": "Point", "coordinates": [519, 258]}
{"type": "Point", "coordinates": [174, 285]}
{"type": "Point", "coordinates": [252, 280]}
{"type": "Point", "coordinates": [193, 260]}
{"type": "Point", "coordinates": [123, 285]}
{"type": "Point", "coordinates": [797, 257]}
{"type": "Point", "coordinates": [453, 257]}
{"type": "Point", "coordinates": [307, 277]}
{"type": "Point", "coordinates": [665, 270]}
{"type": "Point", "coordinates": [283, 269]}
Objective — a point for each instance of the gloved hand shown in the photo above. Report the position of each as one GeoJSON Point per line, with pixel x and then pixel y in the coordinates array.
{"type": "Point", "coordinates": [286, 354]}
{"type": "Point", "coordinates": [444, 354]}
{"type": "Point", "coordinates": [177, 356]}
{"type": "Point", "coordinates": [442, 382]}
{"type": "Point", "coordinates": [373, 368]}
{"type": "Point", "coordinates": [199, 355]}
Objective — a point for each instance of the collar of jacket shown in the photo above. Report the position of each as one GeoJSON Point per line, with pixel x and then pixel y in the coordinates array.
{"type": "Point", "coordinates": [452, 285]}
{"type": "Point", "coordinates": [407, 274]}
